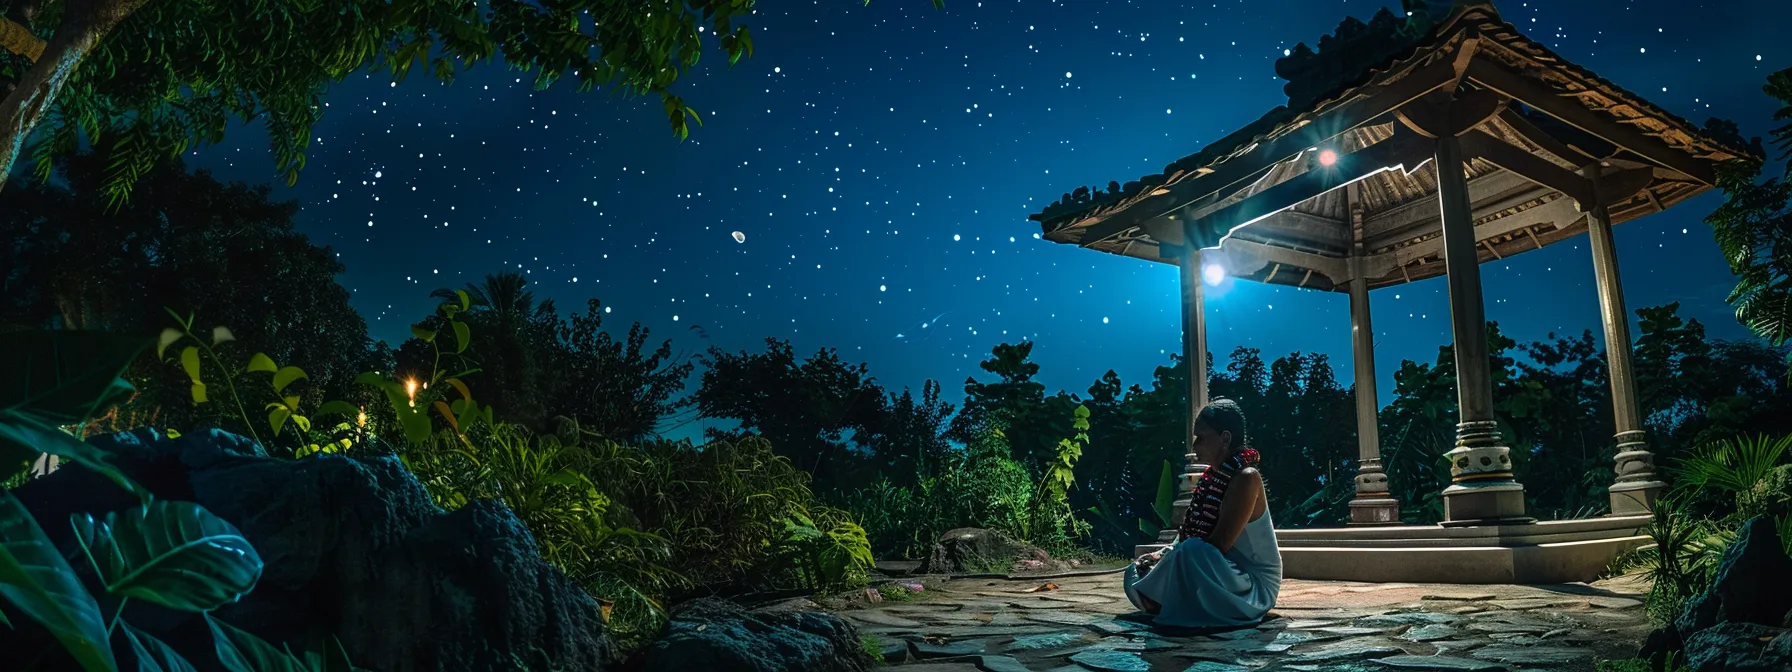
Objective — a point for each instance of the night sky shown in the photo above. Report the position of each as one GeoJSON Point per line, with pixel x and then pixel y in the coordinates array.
{"type": "Point", "coordinates": [881, 162]}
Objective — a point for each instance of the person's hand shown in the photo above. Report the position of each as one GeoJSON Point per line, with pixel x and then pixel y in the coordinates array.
{"type": "Point", "coordinates": [1148, 560]}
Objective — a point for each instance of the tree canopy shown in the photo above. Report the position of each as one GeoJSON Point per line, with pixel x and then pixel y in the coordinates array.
{"type": "Point", "coordinates": [146, 79]}
{"type": "Point", "coordinates": [189, 243]}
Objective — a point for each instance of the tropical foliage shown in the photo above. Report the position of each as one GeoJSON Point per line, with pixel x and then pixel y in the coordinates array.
{"type": "Point", "coordinates": [1751, 228]}
{"type": "Point", "coordinates": [175, 555]}
{"type": "Point", "coordinates": [1717, 487]}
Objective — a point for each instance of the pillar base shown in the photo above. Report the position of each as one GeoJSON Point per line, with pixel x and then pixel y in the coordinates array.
{"type": "Point", "coordinates": [1501, 504]}
{"type": "Point", "coordinates": [1636, 498]}
{"type": "Point", "coordinates": [1374, 511]}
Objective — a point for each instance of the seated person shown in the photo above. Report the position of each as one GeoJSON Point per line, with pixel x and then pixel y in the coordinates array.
{"type": "Point", "coordinates": [1224, 569]}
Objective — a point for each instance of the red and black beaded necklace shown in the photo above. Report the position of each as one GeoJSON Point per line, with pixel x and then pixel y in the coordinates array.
{"type": "Point", "coordinates": [1210, 491]}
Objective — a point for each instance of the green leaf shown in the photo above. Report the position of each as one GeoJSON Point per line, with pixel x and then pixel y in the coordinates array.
{"type": "Point", "coordinates": [152, 654]}
{"type": "Point", "coordinates": [286, 376]}
{"type": "Point", "coordinates": [466, 300]}
{"type": "Point", "coordinates": [422, 334]}
{"type": "Point", "coordinates": [198, 392]}
{"type": "Point", "coordinates": [39, 583]}
{"type": "Point", "coordinates": [169, 336]}
{"type": "Point", "coordinates": [65, 376]}
{"type": "Point", "coordinates": [1165, 503]}
{"type": "Point", "coordinates": [336, 658]}
{"type": "Point", "coordinates": [261, 362]}
{"type": "Point", "coordinates": [277, 418]}
{"type": "Point", "coordinates": [240, 651]}
{"type": "Point", "coordinates": [461, 337]}
{"type": "Point", "coordinates": [189, 362]}
{"type": "Point", "coordinates": [24, 431]}
{"type": "Point", "coordinates": [175, 554]}
{"type": "Point", "coordinates": [221, 335]}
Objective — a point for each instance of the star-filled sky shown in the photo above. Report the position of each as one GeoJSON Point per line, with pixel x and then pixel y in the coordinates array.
{"type": "Point", "coordinates": [881, 162]}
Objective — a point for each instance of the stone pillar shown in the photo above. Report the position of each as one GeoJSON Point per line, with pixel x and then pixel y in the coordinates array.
{"type": "Point", "coordinates": [1482, 490]}
{"type": "Point", "coordinates": [1636, 487]}
{"type": "Point", "coordinates": [1194, 348]}
{"type": "Point", "coordinates": [1373, 504]}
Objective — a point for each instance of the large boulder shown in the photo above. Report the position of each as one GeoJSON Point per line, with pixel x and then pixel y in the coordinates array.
{"type": "Point", "coordinates": [710, 635]}
{"type": "Point", "coordinates": [1740, 647]}
{"type": "Point", "coordinates": [1739, 621]}
{"type": "Point", "coordinates": [1750, 585]}
{"type": "Point", "coordinates": [972, 550]}
{"type": "Point", "coordinates": [353, 548]}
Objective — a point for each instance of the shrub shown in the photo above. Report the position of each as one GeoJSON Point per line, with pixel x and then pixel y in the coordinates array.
{"type": "Point", "coordinates": [980, 485]}
{"type": "Point", "coordinates": [1718, 486]}
{"type": "Point", "coordinates": [638, 526]}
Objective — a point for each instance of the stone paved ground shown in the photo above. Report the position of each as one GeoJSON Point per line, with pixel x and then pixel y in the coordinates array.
{"type": "Point", "coordinates": [1087, 624]}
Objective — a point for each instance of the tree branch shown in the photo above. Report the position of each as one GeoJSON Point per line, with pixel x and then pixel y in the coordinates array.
{"type": "Point", "coordinates": [83, 25]}
{"type": "Point", "coordinates": [19, 40]}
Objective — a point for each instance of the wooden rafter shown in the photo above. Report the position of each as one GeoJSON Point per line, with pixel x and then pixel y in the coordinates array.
{"type": "Point", "coordinates": [1497, 77]}
{"type": "Point", "coordinates": [1226, 177]}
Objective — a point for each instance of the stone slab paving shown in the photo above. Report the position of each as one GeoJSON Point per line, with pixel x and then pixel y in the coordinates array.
{"type": "Point", "coordinates": [1085, 624]}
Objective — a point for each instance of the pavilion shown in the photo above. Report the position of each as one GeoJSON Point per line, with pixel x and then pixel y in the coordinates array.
{"type": "Point", "coordinates": [1471, 144]}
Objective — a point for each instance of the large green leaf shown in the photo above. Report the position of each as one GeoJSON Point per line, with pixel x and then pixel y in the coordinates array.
{"type": "Point", "coordinates": [175, 554]}
{"type": "Point", "coordinates": [22, 431]}
{"type": "Point", "coordinates": [65, 377]}
{"type": "Point", "coordinates": [240, 651]}
{"type": "Point", "coordinates": [152, 654]}
{"type": "Point", "coordinates": [39, 583]}
{"type": "Point", "coordinates": [53, 378]}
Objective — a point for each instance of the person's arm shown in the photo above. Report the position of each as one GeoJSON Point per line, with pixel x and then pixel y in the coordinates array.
{"type": "Point", "coordinates": [1236, 509]}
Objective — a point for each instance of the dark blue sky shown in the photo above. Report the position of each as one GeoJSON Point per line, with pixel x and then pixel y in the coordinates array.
{"type": "Point", "coordinates": [881, 162]}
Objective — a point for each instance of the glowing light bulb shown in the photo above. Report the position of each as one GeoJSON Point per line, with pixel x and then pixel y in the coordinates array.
{"type": "Point", "coordinates": [1328, 157]}
{"type": "Point", "coordinates": [1213, 274]}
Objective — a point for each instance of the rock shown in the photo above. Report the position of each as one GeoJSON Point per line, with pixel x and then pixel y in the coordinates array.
{"type": "Point", "coordinates": [1211, 666]}
{"type": "Point", "coordinates": [1750, 581]}
{"type": "Point", "coordinates": [1117, 626]}
{"type": "Point", "coordinates": [893, 652]}
{"type": "Point", "coordinates": [1518, 628]}
{"type": "Point", "coordinates": [352, 548]}
{"type": "Point", "coordinates": [1530, 655]}
{"type": "Point", "coordinates": [713, 634]}
{"type": "Point", "coordinates": [971, 550]}
{"type": "Point", "coordinates": [1055, 640]}
{"type": "Point", "coordinates": [1699, 613]}
{"type": "Point", "coordinates": [1459, 597]}
{"type": "Point", "coordinates": [1355, 649]}
{"type": "Point", "coordinates": [1429, 633]}
{"type": "Point", "coordinates": [1406, 618]}
{"type": "Point", "coordinates": [1109, 660]}
{"type": "Point", "coordinates": [927, 650]}
{"type": "Point", "coordinates": [1448, 663]}
{"type": "Point", "coordinates": [1063, 618]}
{"type": "Point", "coordinates": [1000, 664]}
{"type": "Point", "coordinates": [1740, 647]}
{"type": "Point", "coordinates": [874, 617]}
{"type": "Point", "coordinates": [1144, 645]}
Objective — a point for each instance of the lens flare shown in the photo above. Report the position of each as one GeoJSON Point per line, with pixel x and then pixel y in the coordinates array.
{"type": "Point", "coordinates": [1213, 274]}
{"type": "Point", "coordinates": [1328, 157]}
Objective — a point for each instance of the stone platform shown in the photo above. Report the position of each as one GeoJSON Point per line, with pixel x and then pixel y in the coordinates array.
{"type": "Point", "coordinates": [1086, 624]}
{"type": "Point", "coordinates": [1560, 551]}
